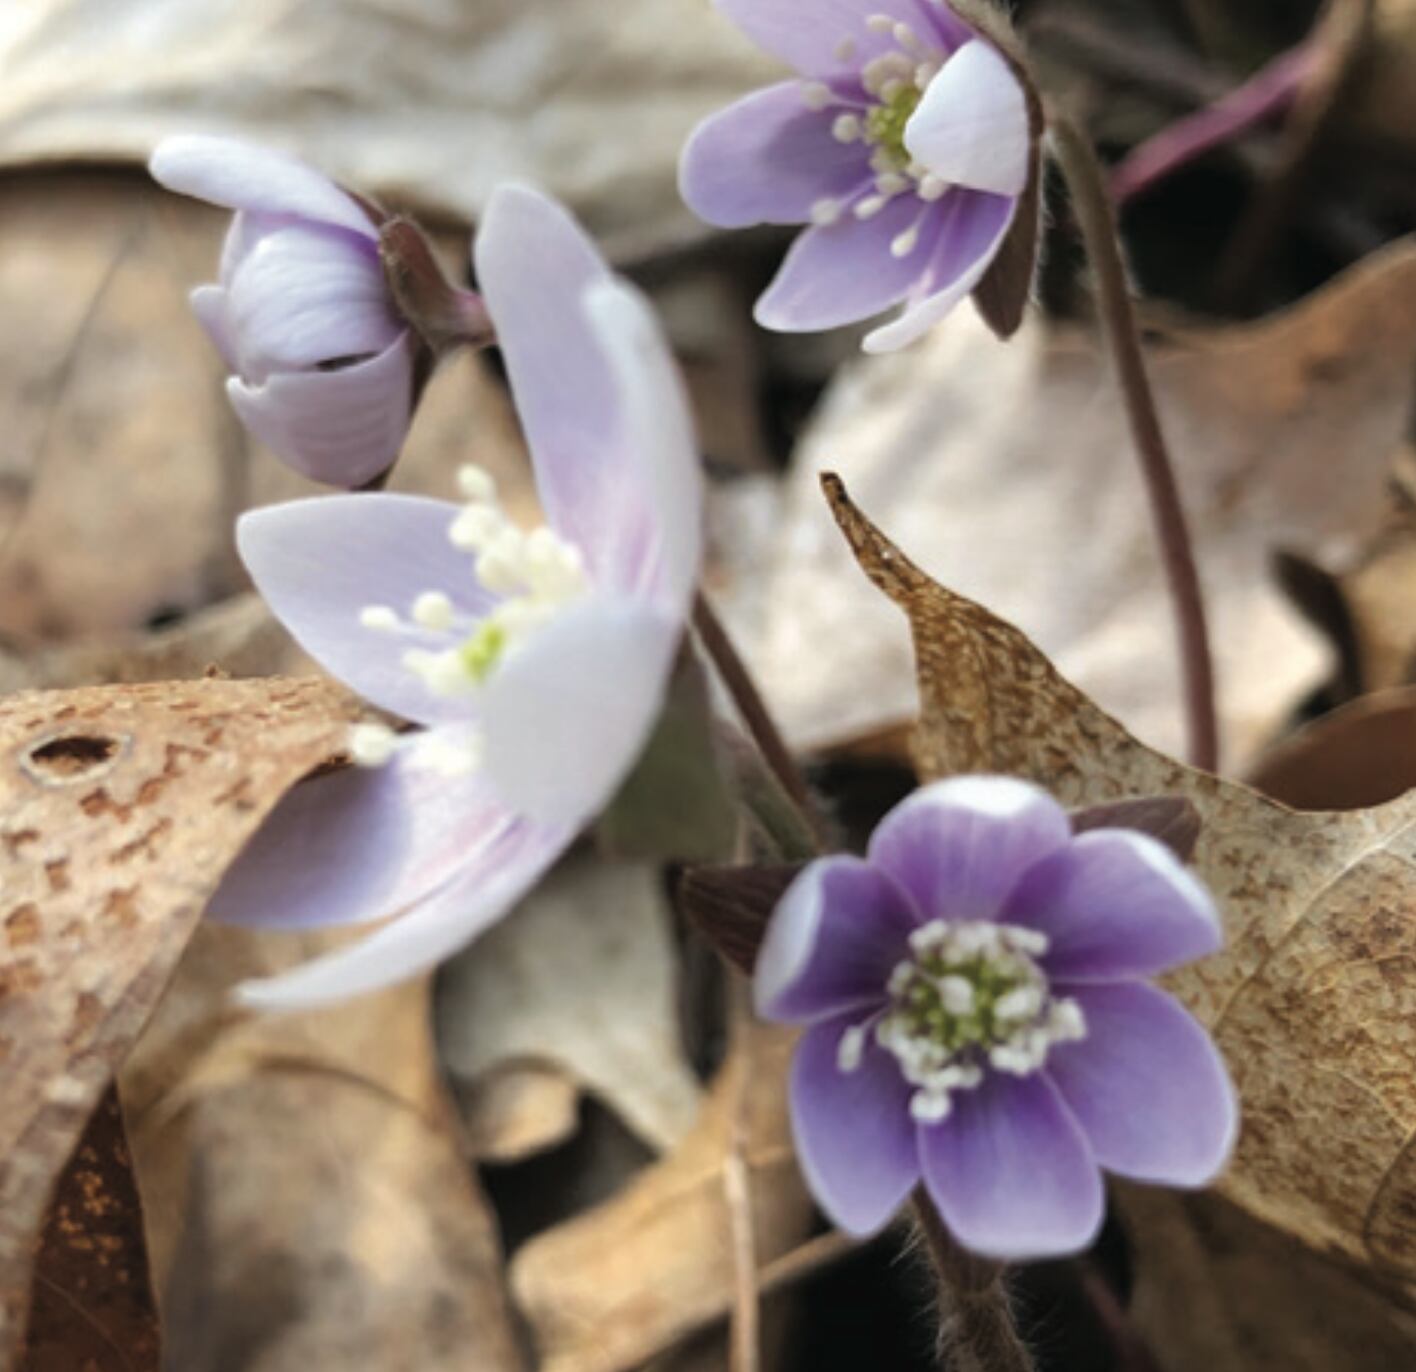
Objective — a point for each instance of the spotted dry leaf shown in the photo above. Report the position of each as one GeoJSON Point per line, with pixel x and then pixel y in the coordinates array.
{"type": "Point", "coordinates": [1313, 1000]}
{"type": "Point", "coordinates": [93, 1306]}
{"type": "Point", "coordinates": [119, 809]}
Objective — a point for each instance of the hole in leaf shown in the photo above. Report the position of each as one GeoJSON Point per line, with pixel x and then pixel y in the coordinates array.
{"type": "Point", "coordinates": [71, 756]}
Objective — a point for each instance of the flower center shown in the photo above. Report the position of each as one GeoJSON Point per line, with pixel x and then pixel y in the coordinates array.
{"type": "Point", "coordinates": [894, 82]}
{"type": "Point", "coordinates": [535, 574]}
{"type": "Point", "coordinates": [970, 997]}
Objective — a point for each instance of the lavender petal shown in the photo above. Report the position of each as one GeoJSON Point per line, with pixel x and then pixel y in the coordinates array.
{"type": "Point", "coordinates": [1147, 1086]}
{"type": "Point", "coordinates": [1115, 904]}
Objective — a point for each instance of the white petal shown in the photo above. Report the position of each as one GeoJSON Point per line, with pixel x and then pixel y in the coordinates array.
{"type": "Point", "coordinates": [971, 125]}
{"type": "Point", "coordinates": [566, 716]}
{"type": "Point", "coordinates": [658, 555]}
{"type": "Point", "coordinates": [243, 176]}
{"type": "Point", "coordinates": [496, 875]}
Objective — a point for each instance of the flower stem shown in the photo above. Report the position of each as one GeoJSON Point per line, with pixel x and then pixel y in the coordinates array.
{"type": "Point", "coordinates": [976, 1329]}
{"type": "Point", "coordinates": [756, 716]}
{"type": "Point", "coordinates": [1098, 223]}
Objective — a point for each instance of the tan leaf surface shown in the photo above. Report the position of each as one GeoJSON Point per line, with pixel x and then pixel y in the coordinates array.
{"type": "Point", "coordinates": [1009, 469]}
{"type": "Point", "coordinates": [628, 1280]}
{"type": "Point", "coordinates": [1313, 1000]}
{"type": "Point", "coordinates": [433, 101]}
{"type": "Point", "coordinates": [119, 809]}
{"type": "Point", "coordinates": [308, 1200]}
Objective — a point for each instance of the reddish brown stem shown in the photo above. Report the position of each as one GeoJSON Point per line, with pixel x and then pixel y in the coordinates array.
{"type": "Point", "coordinates": [1097, 218]}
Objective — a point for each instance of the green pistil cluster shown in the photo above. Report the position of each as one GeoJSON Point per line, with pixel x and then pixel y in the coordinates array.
{"type": "Point", "coordinates": [481, 653]}
{"type": "Point", "coordinates": [923, 1013]}
{"type": "Point", "coordinates": [885, 123]}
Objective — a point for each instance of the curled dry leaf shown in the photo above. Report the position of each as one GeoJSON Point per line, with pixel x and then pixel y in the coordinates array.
{"type": "Point", "coordinates": [93, 1305]}
{"type": "Point", "coordinates": [1313, 999]}
{"type": "Point", "coordinates": [308, 1199]}
{"type": "Point", "coordinates": [630, 1279]}
{"type": "Point", "coordinates": [583, 978]}
{"type": "Point", "coordinates": [119, 809]}
{"type": "Point", "coordinates": [589, 100]}
{"type": "Point", "coordinates": [1007, 464]}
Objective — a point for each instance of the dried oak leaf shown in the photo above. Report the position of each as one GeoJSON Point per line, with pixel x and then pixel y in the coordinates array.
{"type": "Point", "coordinates": [119, 809]}
{"type": "Point", "coordinates": [614, 1287]}
{"type": "Point", "coordinates": [1313, 1000]}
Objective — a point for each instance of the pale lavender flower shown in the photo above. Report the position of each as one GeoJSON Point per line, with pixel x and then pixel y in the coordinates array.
{"type": "Point", "coordinates": [978, 1018]}
{"type": "Point", "coordinates": [323, 364]}
{"type": "Point", "coordinates": [536, 662]}
{"type": "Point", "coordinates": [906, 146]}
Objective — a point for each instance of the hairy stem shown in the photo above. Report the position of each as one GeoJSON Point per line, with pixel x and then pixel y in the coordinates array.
{"type": "Point", "coordinates": [1098, 222]}
{"type": "Point", "coordinates": [756, 716]}
{"type": "Point", "coordinates": [976, 1329]}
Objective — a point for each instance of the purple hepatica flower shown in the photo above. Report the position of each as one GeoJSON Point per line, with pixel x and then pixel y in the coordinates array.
{"type": "Point", "coordinates": [535, 662]}
{"type": "Point", "coordinates": [906, 146]}
{"type": "Point", "coordinates": [324, 365]}
{"type": "Point", "coordinates": [977, 1016]}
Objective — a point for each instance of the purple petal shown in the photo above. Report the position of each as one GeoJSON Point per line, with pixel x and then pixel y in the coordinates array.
{"type": "Point", "coordinates": [303, 297]}
{"type": "Point", "coordinates": [342, 427]}
{"type": "Point", "coordinates": [808, 34]}
{"type": "Point", "coordinates": [1011, 1171]}
{"type": "Point", "coordinates": [958, 847]}
{"type": "Point", "coordinates": [567, 715]}
{"type": "Point", "coordinates": [1147, 1086]}
{"type": "Point", "coordinates": [651, 551]}
{"type": "Point", "coordinates": [838, 273]}
{"type": "Point", "coordinates": [357, 845]}
{"type": "Point", "coordinates": [535, 267]}
{"type": "Point", "coordinates": [833, 941]}
{"type": "Point", "coordinates": [209, 305]}
{"type": "Point", "coordinates": [767, 160]}
{"type": "Point", "coordinates": [507, 862]}
{"type": "Point", "coordinates": [319, 562]}
{"type": "Point", "coordinates": [971, 126]}
{"type": "Point", "coordinates": [855, 1139]}
{"type": "Point", "coordinates": [1115, 904]}
{"type": "Point", "coordinates": [973, 226]}
{"type": "Point", "coordinates": [242, 176]}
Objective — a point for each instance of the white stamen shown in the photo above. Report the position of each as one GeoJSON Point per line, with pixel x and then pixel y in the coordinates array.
{"type": "Point", "coordinates": [851, 1049]}
{"type": "Point", "coordinates": [433, 610]}
{"type": "Point", "coordinates": [891, 88]}
{"type": "Point", "coordinates": [929, 1107]}
{"type": "Point", "coordinates": [476, 484]}
{"type": "Point", "coordinates": [845, 49]}
{"type": "Point", "coordinates": [825, 212]}
{"type": "Point", "coordinates": [908, 39]}
{"type": "Point", "coordinates": [925, 73]}
{"type": "Point", "coordinates": [891, 184]}
{"type": "Point", "coordinates": [475, 527]}
{"type": "Point", "coordinates": [870, 206]}
{"type": "Point", "coordinates": [815, 94]}
{"type": "Point", "coordinates": [932, 187]}
{"type": "Point", "coordinates": [880, 23]}
{"type": "Point", "coordinates": [846, 128]}
{"type": "Point", "coordinates": [957, 995]}
{"type": "Point", "coordinates": [381, 618]}
{"type": "Point", "coordinates": [371, 745]}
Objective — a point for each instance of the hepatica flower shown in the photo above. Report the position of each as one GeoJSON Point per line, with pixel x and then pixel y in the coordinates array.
{"type": "Point", "coordinates": [534, 661]}
{"type": "Point", "coordinates": [325, 366]}
{"type": "Point", "coordinates": [978, 1018]}
{"type": "Point", "coordinates": [906, 145]}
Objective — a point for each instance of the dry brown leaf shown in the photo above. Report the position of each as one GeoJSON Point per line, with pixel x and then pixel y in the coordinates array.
{"type": "Point", "coordinates": [308, 1200]}
{"type": "Point", "coordinates": [93, 1306]}
{"type": "Point", "coordinates": [119, 809]}
{"type": "Point", "coordinates": [612, 1288]}
{"type": "Point", "coordinates": [1313, 1000]}
{"type": "Point", "coordinates": [1215, 1291]}
{"type": "Point", "coordinates": [583, 978]}
{"type": "Point", "coordinates": [1363, 753]}
{"type": "Point", "coordinates": [434, 102]}
{"type": "Point", "coordinates": [518, 1109]}
{"type": "Point", "coordinates": [1009, 468]}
